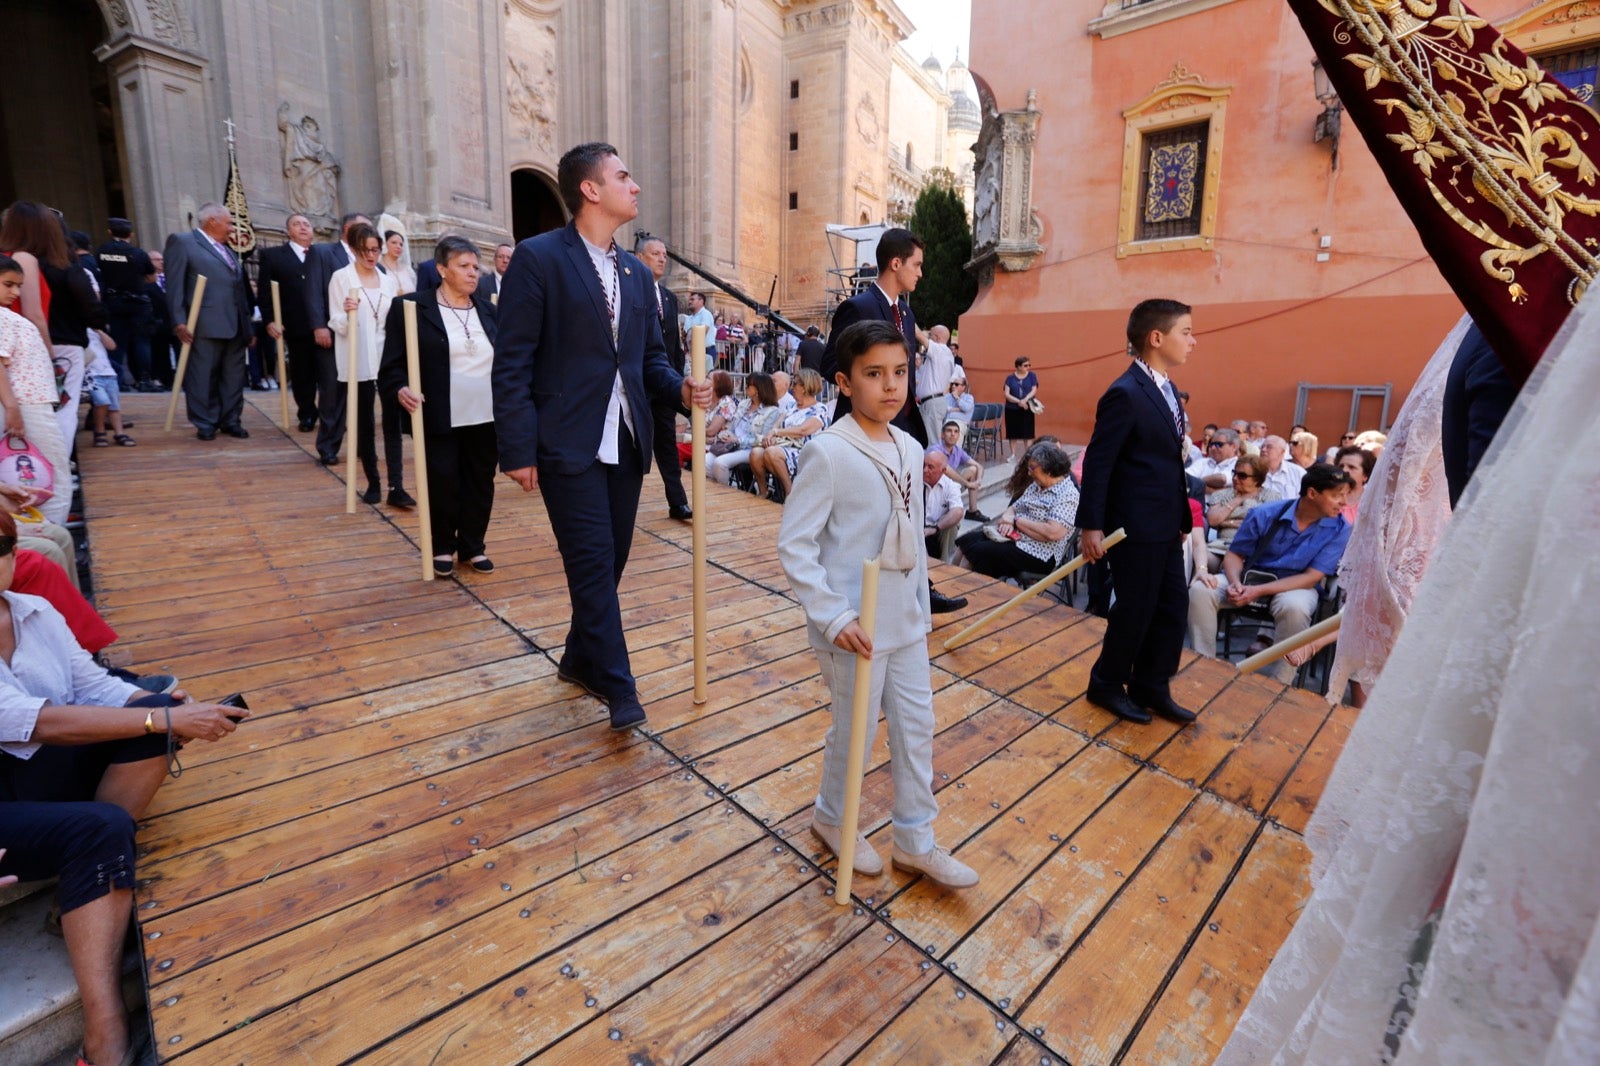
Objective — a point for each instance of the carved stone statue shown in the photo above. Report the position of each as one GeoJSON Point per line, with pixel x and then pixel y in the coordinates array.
{"type": "Point", "coordinates": [310, 171]}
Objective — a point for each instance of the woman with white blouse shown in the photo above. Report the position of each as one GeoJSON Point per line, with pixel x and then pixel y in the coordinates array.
{"type": "Point", "coordinates": [455, 352]}
{"type": "Point", "coordinates": [359, 297]}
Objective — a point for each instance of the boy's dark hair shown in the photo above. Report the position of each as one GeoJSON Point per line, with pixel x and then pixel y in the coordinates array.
{"type": "Point", "coordinates": [896, 244]}
{"type": "Point", "coordinates": [766, 391]}
{"type": "Point", "coordinates": [859, 338]}
{"type": "Point", "coordinates": [1324, 476]}
{"type": "Point", "coordinates": [579, 165]}
{"type": "Point", "coordinates": [1153, 315]}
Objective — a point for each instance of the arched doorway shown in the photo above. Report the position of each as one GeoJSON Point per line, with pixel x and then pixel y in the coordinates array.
{"type": "Point", "coordinates": [56, 84]}
{"type": "Point", "coordinates": [535, 207]}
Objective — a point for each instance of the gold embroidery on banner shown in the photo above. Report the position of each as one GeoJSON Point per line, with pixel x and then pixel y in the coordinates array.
{"type": "Point", "coordinates": [1477, 126]}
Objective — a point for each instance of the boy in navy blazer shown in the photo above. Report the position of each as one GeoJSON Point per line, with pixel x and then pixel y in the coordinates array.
{"type": "Point", "coordinates": [1133, 479]}
{"type": "Point", "coordinates": [578, 358]}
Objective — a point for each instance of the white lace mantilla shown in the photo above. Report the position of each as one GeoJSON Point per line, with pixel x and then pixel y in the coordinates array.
{"type": "Point", "coordinates": [1476, 763]}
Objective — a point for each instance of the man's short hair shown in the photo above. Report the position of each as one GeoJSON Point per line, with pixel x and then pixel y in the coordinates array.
{"type": "Point", "coordinates": [349, 220]}
{"type": "Point", "coordinates": [859, 338]}
{"type": "Point", "coordinates": [120, 228]}
{"type": "Point", "coordinates": [505, 244]}
{"type": "Point", "coordinates": [580, 164]}
{"type": "Point", "coordinates": [813, 331]}
{"type": "Point", "coordinates": [1150, 315]}
{"type": "Point", "coordinates": [1368, 460]}
{"type": "Point", "coordinates": [644, 242]}
{"type": "Point", "coordinates": [211, 209]}
{"type": "Point", "coordinates": [294, 215]}
{"type": "Point", "coordinates": [696, 292]}
{"type": "Point", "coordinates": [1224, 435]}
{"type": "Point", "coordinates": [896, 244]}
{"type": "Point", "coordinates": [450, 246]}
{"type": "Point", "coordinates": [1323, 477]}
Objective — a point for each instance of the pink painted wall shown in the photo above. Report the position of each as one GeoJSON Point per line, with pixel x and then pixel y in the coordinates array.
{"type": "Point", "coordinates": [1267, 314]}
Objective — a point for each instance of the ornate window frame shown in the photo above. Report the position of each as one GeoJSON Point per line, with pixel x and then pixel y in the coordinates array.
{"type": "Point", "coordinates": [1183, 99]}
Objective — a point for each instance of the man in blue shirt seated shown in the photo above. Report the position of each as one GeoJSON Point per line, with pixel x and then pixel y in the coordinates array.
{"type": "Point", "coordinates": [1280, 554]}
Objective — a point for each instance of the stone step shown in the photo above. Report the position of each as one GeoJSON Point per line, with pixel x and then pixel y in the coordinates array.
{"type": "Point", "coordinates": [41, 1015]}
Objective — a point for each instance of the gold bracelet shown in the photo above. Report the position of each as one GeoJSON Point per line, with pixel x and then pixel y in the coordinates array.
{"type": "Point", "coordinates": [150, 720]}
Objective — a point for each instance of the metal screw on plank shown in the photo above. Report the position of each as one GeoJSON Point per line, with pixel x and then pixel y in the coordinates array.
{"type": "Point", "coordinates": [615, 1034]}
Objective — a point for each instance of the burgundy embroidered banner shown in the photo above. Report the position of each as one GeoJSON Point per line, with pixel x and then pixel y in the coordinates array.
{"type": "Point", "coordinates": [1493, 159]}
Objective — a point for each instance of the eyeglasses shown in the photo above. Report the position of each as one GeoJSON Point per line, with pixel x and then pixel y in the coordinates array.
{"type": "Point", "coordinates": [7, 546]}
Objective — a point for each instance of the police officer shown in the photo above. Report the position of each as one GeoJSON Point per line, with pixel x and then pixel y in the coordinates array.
{"type": "Point", "coordinates": [124, 271]}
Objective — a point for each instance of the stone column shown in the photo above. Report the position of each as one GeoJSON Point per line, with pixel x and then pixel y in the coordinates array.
{"type": "Point", "coordinates": [167, 144]}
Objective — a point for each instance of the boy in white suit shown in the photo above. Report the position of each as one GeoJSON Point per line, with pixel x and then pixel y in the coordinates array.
{"type": "Point", "coordinates": [858, 494]}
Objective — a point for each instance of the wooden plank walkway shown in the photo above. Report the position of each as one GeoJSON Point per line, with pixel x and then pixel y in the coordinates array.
{"type": "Point", "coordinates": [424, 848]}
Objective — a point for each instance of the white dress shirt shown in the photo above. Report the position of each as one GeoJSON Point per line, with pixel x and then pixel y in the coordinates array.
{"type": "Point", "coordinates": [48, 666]}
{"type": "Point", "coordinates": [938, 367]}
{"type": "Point", "coordinates": [939, 500]}
{"type": "Point", "coordinates": [1285, 480]}
{"type": "Point", "coordinates": [605, 265]}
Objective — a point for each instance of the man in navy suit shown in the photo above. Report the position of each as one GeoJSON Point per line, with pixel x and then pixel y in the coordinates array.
{"type": "Point", "coordinates": [578, 359]}
{"type": "Point", "coordinates": [298, 274]}
{"type": "Point", "coordinates": [887, 300]}
{"type": "Point", "coordinates": [664, 412]}
{"type": "Point", "coordinates": [213, 384]}
{"type": "Point", "coordinates": [1133, 478]}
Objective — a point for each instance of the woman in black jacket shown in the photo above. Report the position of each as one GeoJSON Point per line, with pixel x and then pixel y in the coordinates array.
{"type": "Point", "coordinates": [455, 349]}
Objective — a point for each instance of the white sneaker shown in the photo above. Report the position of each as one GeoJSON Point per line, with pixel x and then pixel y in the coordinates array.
{"type": "Point", "coordinates": [867, 862]}
{"type": "Point", "coordinates": [939, 866]}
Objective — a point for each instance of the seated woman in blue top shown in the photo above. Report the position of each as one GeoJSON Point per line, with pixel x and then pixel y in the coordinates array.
{"type": "Point", "coordinates": [81, 756]}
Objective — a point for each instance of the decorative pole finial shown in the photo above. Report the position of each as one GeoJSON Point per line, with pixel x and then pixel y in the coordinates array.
{"type": "Point", "coordinates": [228, 122]}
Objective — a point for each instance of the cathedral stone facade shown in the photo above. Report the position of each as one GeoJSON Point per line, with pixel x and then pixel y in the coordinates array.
{"type": "Point", "coordinates": [749, 124]}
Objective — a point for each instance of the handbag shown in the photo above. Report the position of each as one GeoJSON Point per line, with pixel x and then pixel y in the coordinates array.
{"type": "Point", "coordinates": [23, 465]}
{"type": "Point", "coordinates": [1036, 405]}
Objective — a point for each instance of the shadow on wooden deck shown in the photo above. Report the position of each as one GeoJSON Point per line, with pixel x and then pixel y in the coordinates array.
{"type": "Point", "coordinates": [426, 848]}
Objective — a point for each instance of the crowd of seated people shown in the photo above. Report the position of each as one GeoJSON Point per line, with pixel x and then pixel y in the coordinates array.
{"type": "Point", "coordinates": [755, 417]}
{"type": "Point", "coordinates": [778, 455]}
{"type": "Point", "coordinates": [1284, 495]}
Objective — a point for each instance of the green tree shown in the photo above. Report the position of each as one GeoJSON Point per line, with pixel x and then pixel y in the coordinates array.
{"type": "Point", "coordinates": [946, 289]}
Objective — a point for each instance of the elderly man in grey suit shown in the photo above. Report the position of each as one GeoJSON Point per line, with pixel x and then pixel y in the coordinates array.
{"type": "Point", "coordinates": [213, 387]}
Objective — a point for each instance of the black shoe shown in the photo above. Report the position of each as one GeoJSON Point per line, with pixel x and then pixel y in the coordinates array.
{"type": "Point", "coordinates": [444, 567]}
{"type": "Point", "coordinates": [978, 516]}
{"type": "Point", "coordinates": [573, 676]}
{"type": "Point", "coordinates": [681, 513]}
{"type": "Point", "coordinates": [327, 460]}
{"type": "Point", "coordinates": [1162, 705]}
{"type": "Point", "coordinates": [307, 425]}
{"type": "Point", "coordinates": [236, 431]}
{"type": "Point", "coordinates": [401, 498]}
{"type": "Point", "coordinates": [1117, 702]}
{"type": "Point", "coordinates": [626, 712]}
{"type": "Point", "coordinates": [205, 434]}
{"type": "Point", "coordinates": [482, 564]}
{"type": "Point", "coordinates": [372, 495]}
{"type": "Point", "coordinates": [939, 603]}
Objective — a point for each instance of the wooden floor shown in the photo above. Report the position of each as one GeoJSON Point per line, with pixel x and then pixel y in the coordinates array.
{"type": "Point", "coordinates": [424, 848]}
